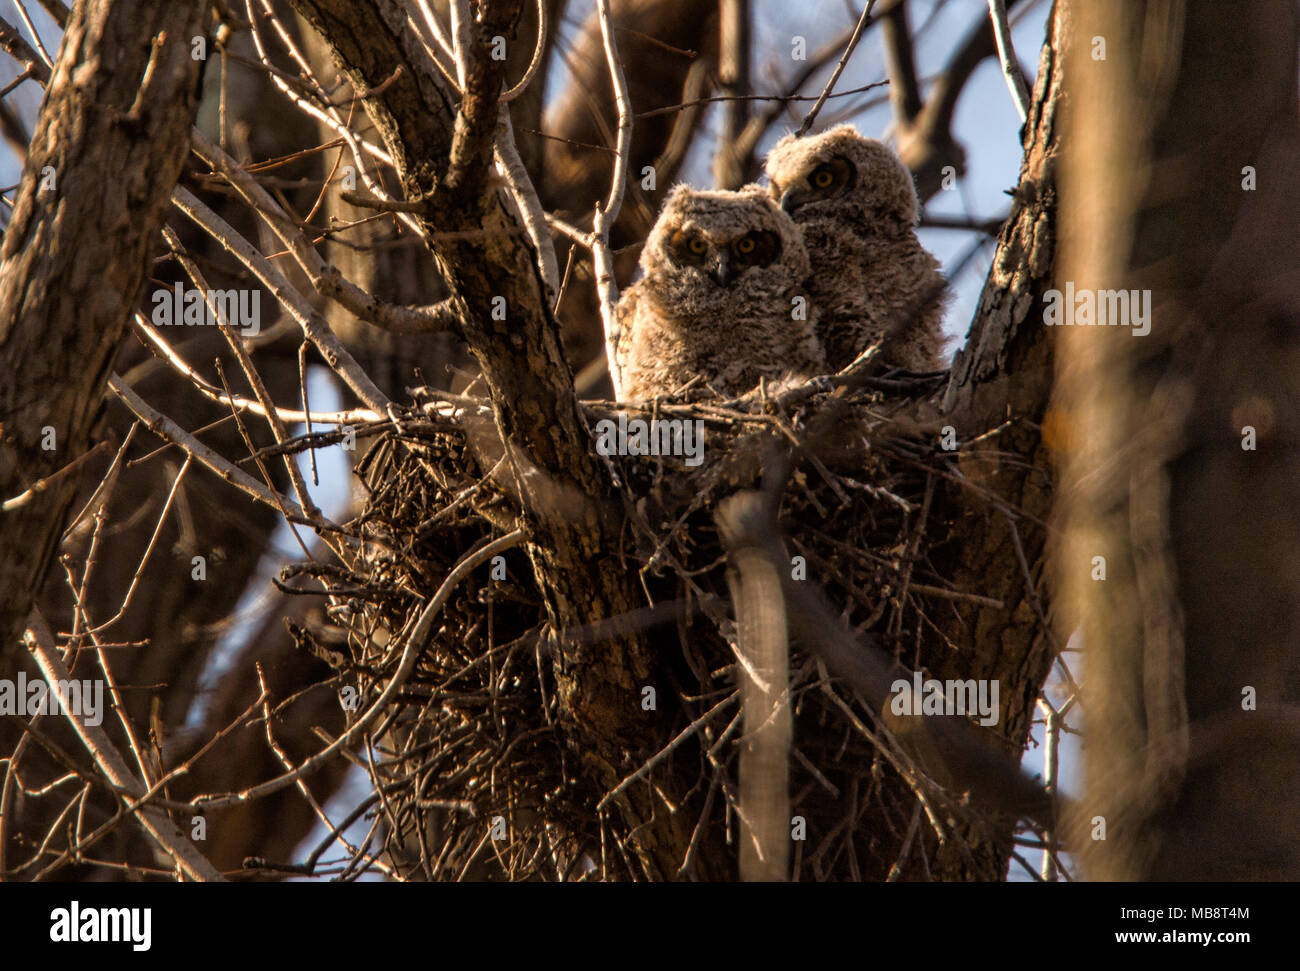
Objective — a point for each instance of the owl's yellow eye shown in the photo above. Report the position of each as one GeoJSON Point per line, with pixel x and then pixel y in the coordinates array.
{"type": "Point", "coordinates": [758, 248]}
{"type": "Point", "coordinates": [822, 179]}
{"type": "Point", "coordinates": [688, 247]}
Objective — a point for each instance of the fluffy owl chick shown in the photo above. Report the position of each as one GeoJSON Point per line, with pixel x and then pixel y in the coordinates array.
{"type": "Point", "coordinates": [855, 203]}
{"type": "Point", "coordinates": [716, 298]}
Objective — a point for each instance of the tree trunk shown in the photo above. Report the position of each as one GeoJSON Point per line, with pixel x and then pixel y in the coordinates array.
{"type": "Point", "coordinates": [108, 148]}
{"type": "Point", "coordinates": [1003, 372]}
{"type": "Point", "coordinates": [1181, 551]}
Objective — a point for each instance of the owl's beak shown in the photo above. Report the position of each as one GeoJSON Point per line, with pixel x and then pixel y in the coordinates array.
{"type": "Point", "coordinates": [721, 271]}
{"type": "Point", "coordinates": [791, 199]}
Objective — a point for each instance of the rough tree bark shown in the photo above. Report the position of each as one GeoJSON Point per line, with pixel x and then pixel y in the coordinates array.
{"type": "Point", "coordinates": [112, 135]}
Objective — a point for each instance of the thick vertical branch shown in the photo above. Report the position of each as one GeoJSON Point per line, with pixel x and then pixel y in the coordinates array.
{"type": "Point", "coordinates": [1004, 371]}
{"type": "Point", "coordinates": [107, 150]}
{"type": "Point", "coordinates": [1182, 479]}
{"type": "Point", "coordinates": [900, 61]}
{"type": "Point", "coordinates": [733, 79]}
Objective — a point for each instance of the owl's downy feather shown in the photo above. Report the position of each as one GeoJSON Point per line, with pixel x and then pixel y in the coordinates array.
{"type": "Point", "coordinates": [716, 301]}
{"type": "Point", "coordinates": [856, 204]}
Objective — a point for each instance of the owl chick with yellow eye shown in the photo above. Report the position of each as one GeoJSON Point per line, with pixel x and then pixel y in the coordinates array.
{"type": "Point", "coordinates": [855, 203]}
{"type": "Point", "coordinates": [716, 301]}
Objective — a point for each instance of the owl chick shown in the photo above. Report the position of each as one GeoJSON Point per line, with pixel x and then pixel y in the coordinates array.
{"type": "Point", "coordinates": [855, 203]}
{"type": "Point", "coordinates": [721, 271]}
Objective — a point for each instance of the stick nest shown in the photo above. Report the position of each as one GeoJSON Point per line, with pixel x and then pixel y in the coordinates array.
{"type": "Point", "coordinates": [475, 738]}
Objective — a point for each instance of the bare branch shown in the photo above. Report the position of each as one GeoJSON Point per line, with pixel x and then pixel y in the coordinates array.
{"type": "Point", "coordinates": [327, 115]}
{"type": "Point", "coordinates": [536, 61]}
{"type": "Point", "coordinates": [415, 642]}
{"type": "Point", "coordinates": [210, 391]}
{"type": "Point", "coordinates": [666, 751]}
{"type": "Point", "coordinates": [481, 77]}
{"type": "Point", "coordinates": [246, 364]}
{"type": "Point", "coordinates": [12, 43]}
{"type": "Point", "coordinates": [759, 124]}
{"type": "Point", "coordinates": [763, 650]}
{"type": "Point", "coordinates": [900, 61]}
{"type": "Point", "coordinates": [31, 29]}
{"type": "Point", "coordinates": [461, 20]}
{"type": "Point", "coordinates": [1015, 78]}
{"type": "Point", "coordinates": [40, 486]}
{"type": "Point", "coordinates": [58, 11]}
{"type": "Point", "coordinates": [525, 196]}
{"type": "Point", "coordinates": [144, 558]}
{"type": "Point", "coordinates": [440, 37]}
{"type": "Point", "coordinates": [607, 214]}
{"type": "Point", "coordinates": [863, 20]}
{"type": "Point", "coordinates": [927, 144]}
{"type": "Point", "coordinates": [312, 323]}
{"type": "Point", "coordinates": [413, 207]}
{"type": "Point", "coordinates": [729, 164]}
{"type": "Point", "coordinates": [165, 428]}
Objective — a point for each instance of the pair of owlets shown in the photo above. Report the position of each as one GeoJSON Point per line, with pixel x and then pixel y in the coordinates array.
{"type": "Point", "coordinates": [722, 272]}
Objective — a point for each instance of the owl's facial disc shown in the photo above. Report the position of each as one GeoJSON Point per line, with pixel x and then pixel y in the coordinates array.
{"type": "Point", "coordinates": [724, 261]}
{"type": "Point", "coordinates": [828, 180]}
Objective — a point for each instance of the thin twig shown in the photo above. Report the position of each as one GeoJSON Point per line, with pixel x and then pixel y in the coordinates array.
{"type": "Point", "coordinates": [667, 750]}
{"type": "Point", "coordinates": [1015, 78]}
{"type": "Point", "coordinates": [233, 339]}
{"type": "Point", "coordinates": [31, 28]}
{"type": "Point", "coordinates": [144, 560]}
{"type": "Point", "coordinates": [164, 427]}
{"type": "Point", "coordinates": [154, 820]}
{"type": "Point", "coordinates": [41, 485]}
{"type": "Point", "coordinates": [311, 321]}
{"type": "Point", "coordinates": [839, 68]}
{"type": "Point", "coordinates": [441, 39]}
{"type": "Point", "coordinates": [328, 115]}
{"type": "Point", "coordinates": [410, 652]}
{"type": "Point", "coordinates": [173, 360]}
